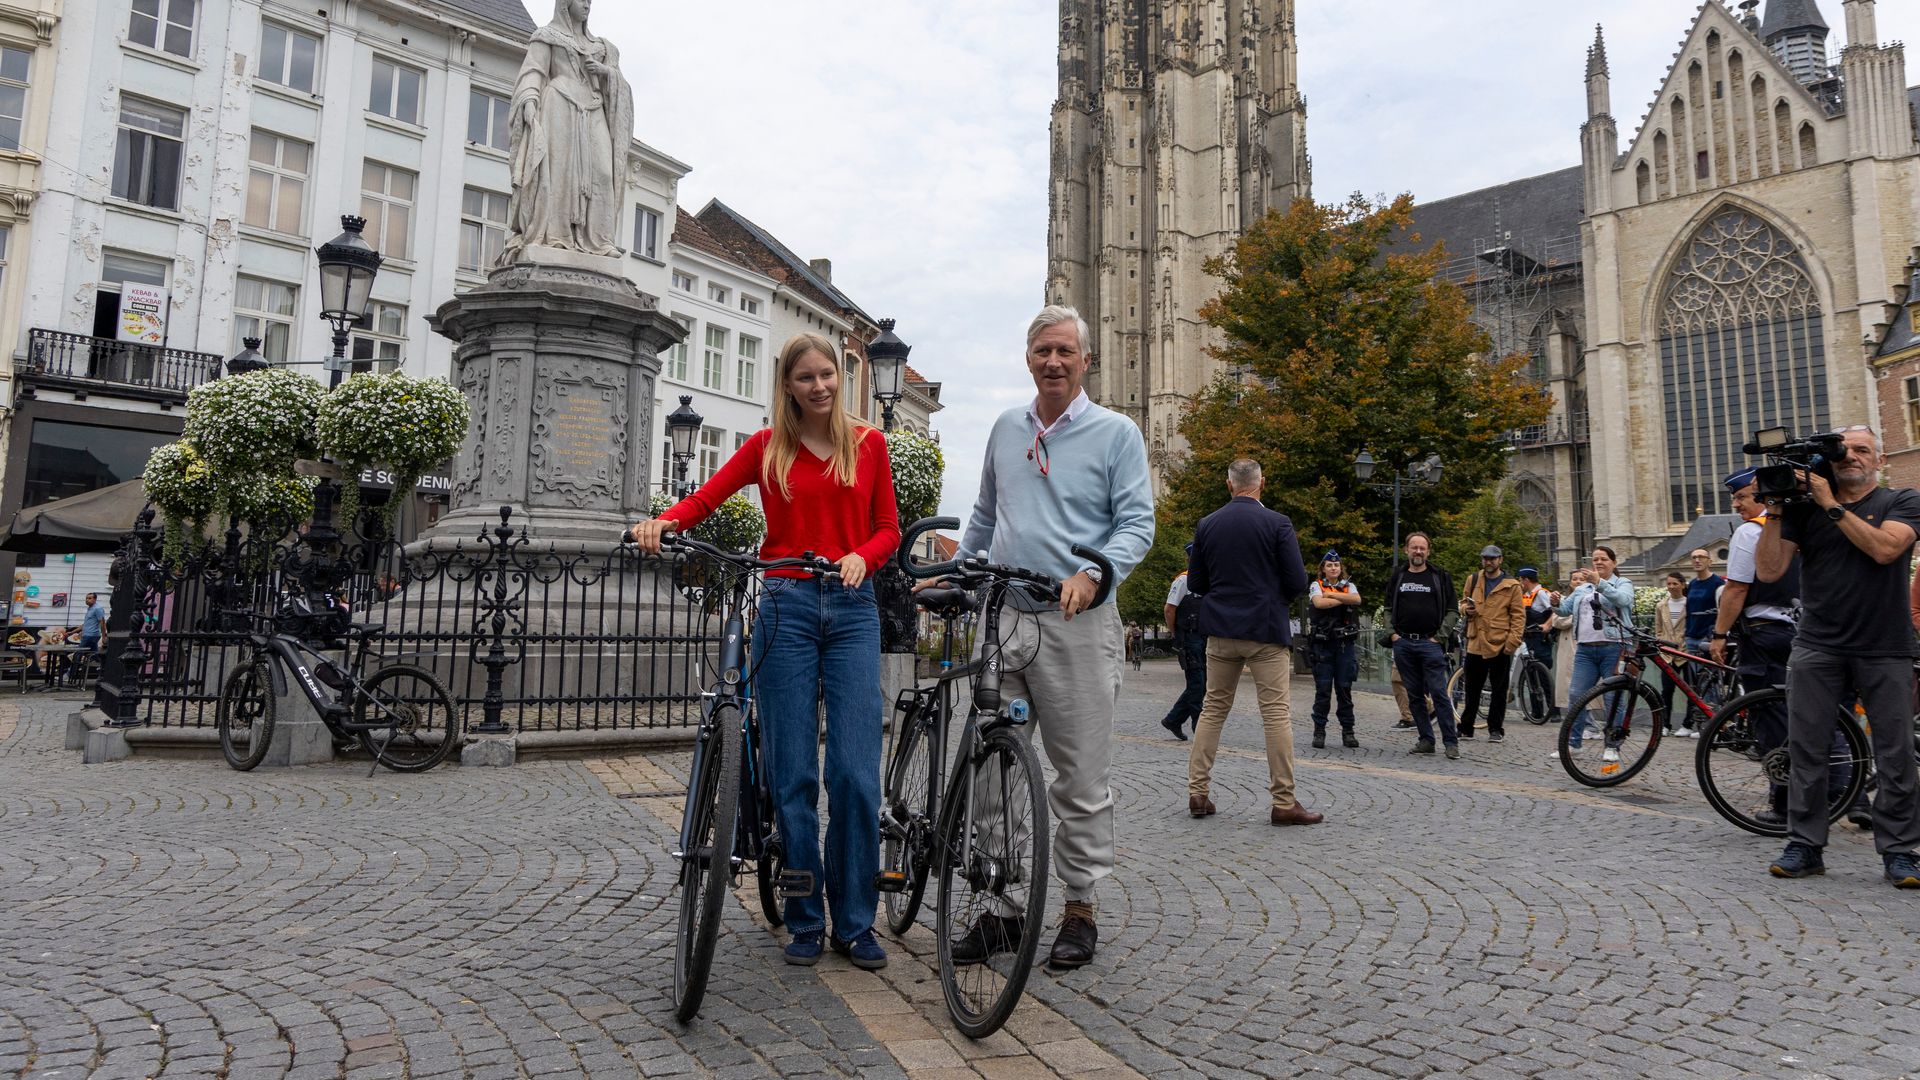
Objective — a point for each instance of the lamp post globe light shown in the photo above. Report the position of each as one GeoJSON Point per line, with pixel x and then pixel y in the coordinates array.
{"type": "Point", "coordinates": [1426, 473]}
{"type": "Point", "coordinates": [683, 425]}
{"type": "Point", "coordinates": [887, 357]}
{"type": "Point", "coordinates": [347, 269]}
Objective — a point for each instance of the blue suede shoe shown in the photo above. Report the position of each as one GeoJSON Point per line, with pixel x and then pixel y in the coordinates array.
{"type": "Point", "coordinates": [863, 950]}
{"type": "Point", "coordinates": [804, 949]}
{"type": "Point", "coordinates": [1799, 860]}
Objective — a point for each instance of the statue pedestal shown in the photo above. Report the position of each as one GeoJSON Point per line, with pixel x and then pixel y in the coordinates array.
{"type": "Point", "coordinates": [558, 360]}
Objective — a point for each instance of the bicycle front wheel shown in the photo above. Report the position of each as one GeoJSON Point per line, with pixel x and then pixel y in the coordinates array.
{"type": "Point", "coordinates": [406, 718]}
{"type": "Point", "coordinates": [706, 859]}
{"type": "Point", "coordinates": [245, 714]}
{"type": "Point", "coordinates": [1745, 780]}
{"type": "Point", "coordinates": [992, 861]}
{"type": "Point", "coordinates": [1611, 731]}
{"type": "Point", "coordinates": [1536, 693]}
{"type": "Point", "coordinates": [906, 819]}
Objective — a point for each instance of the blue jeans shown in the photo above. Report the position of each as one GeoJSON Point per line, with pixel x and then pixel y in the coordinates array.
{"type": "Point", "coordinates": [816, 637]}
{"type": "Point", "coordinates": [1423, 671]}
{"type": "Point", "coordinates": [1592, 662]}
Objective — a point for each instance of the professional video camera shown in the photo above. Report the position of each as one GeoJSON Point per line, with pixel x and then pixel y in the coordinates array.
{"type": "Point", "coordinates": [1779, 480]}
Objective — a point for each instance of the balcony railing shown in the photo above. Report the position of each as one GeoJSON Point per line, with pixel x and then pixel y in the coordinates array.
{"type": "Point", "coordinates": [55, 354]}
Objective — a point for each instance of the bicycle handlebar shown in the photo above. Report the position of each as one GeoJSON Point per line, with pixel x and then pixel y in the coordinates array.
{"type": "Point", "coordinates": [816, 565]}
{"type": "Point", "coordinates": [979, 565]}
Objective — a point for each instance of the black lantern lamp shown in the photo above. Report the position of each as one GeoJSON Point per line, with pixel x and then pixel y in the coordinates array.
{"type": "Point", "coordinates": [1426, 473]}
{"type": "Point", "coordinates": [1363, 466]}
{"type": "Point", "coordinates": [888, 356]}
{"type": "Point", "coordinates": [248, 358]}
{"type": "Point", "coordinates": [347, 269]}
{"type": "Point", "coordinates": [683, 426]}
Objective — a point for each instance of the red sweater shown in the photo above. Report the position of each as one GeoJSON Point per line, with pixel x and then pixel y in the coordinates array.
{"type": "Point", "coordinates": [821, 516]}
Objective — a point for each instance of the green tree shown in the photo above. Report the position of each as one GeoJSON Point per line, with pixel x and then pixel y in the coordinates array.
{"type": "Point", "coordinates": [1334, 345]}
{"type": "Point", "coordinates": [1143, 596]}
{"type": "Point", "coordinates": [1494, 516]}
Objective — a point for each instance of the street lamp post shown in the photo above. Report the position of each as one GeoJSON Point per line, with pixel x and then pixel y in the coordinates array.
{"type": "Point", "coordinates": [1426, 473]}
{"type": "Point", "coordinates": [683, 424]}
{"type": "Point", "coordinates": [887, 355]}
{"type": "Point", "coordinates": [347, 269]}
{"type": "Point", "coordinates": [248, 358]}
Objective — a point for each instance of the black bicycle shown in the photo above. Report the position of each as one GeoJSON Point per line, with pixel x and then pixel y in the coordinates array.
{"type": "Point", "coordinates": [402, 713]}
{"type": "Point", "coordinates": [981, 832]}
{"type": "Point", "coordinates": [729, 822]}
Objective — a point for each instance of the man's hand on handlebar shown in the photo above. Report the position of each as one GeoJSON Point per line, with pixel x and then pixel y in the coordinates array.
{"type": "Point", "coordinates": [1076, 593]}
{"type": "Point", "coordinates": [647, 534]}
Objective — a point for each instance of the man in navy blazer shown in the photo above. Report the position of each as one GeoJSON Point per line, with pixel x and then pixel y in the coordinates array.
{"type": "Point", "coordinates": [1246, 567]}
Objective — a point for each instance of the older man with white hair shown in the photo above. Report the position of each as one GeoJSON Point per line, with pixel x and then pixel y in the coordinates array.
{"type": "Point", "coordinates": [1064, 471]}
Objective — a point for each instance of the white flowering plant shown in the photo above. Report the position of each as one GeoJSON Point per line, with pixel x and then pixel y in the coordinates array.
{"type": "Point", "coordinates": [258, 422]}
{"type": "Point", "coordinates": [408, 424]}
{"type": "Point", "coordinates": [186, 488]}
{"type": "Point", "coordinates": [918, 471]}
{"type": "Point", "coordinates": [737, 525]}
{"type": "Point", "coordinates": [284, 500]}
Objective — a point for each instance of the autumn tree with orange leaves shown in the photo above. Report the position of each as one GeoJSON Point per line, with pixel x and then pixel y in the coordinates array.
{"type": "Point", "coordinates": [1334, 344]}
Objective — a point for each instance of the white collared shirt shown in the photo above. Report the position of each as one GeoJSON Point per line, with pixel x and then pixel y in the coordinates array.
{"type": "Point", "coordinates": [1076, 408]}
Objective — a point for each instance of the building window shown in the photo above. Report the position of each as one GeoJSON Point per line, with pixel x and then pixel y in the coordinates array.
{"type": "Point", "coordinates": [1913, 410]}
{"type": "Point", "coordinates": [683, 282]}
{"type": "Point", "coordinates": [277, 182]}
{"type": "Point", "coordinates": [70, 459]}
{"type": "Point", "coordinates": [1742, 347]}
{"type": "Point", "coordinates": [289, 58]}
{"type": "Point", "coordinates": [719, 294]}
{"type": "Point", "coordinates": [483, 228]}
{"type": "Point", "coordinates": [749, 305]}
{"type": "Point", "coordinates": [386, 201]}
{"type": "Point", "coordinates": [710, 452]}
{"type": "Point", "coordinates": [716, 358]}
{"type": "Point", "coordinates": [163, 24]}
{"type": "Point", "coordinates": [676, 355]}
{"type": "Point", "coordinates": [264, 309]}
{"type": "Point", "coordinates": [646, 233]}
{"type": "Point", "coordinates": [740, 440]}
{"type": "Point", "coordinates": [14, 65]}
{"type": "Point", "coordinates": [380, 339]}
{"type": "Point", "coordinates": [395, 92]}
{"type": "Point", "coordinates": [146, 157]}
{"type": "Point", "coordinates": [117, 271]}
{"type": "Point", "coordinates": [746, 375]}
{"type": "Point", "coordinates": [486, 119]}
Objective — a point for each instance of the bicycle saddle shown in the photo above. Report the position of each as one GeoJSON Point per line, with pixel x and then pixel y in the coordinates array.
{"type": "Point", "coordinates": [946, 603]}
{"type": "Point", "coordinates": [365, 630]}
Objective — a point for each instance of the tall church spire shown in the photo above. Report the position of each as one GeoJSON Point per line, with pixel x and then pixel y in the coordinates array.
{"type": "Point", "coordinates": [1599, 83]}
{"type": "Point", "coordinates": [1599, 136]}
{"type": "Point", "coordinates": [1860, 24]}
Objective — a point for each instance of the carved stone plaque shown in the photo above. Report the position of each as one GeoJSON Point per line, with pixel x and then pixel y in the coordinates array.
{"type": "Point", "coordinates": [579, 436]}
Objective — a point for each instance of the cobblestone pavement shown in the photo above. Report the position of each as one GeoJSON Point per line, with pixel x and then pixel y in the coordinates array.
{"type": "Point", "coordinates": [1482, 917]}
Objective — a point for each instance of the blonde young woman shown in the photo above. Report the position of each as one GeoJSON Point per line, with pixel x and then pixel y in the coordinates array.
{"type": "Point", "coordinates": [827, 488]}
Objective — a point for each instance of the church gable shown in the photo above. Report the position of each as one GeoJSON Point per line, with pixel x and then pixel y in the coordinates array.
{"type": "Point", "coordinates": [1728, 112]}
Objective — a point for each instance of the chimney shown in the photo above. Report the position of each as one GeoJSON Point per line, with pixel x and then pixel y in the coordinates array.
{"type": "Point", "coordinates": [823, 267]}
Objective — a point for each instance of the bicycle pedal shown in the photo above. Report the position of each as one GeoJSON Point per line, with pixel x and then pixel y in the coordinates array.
{"type": "Point", "coordinates": [890, 881]}
{"type": "Point", "coordinates": [795, 884]}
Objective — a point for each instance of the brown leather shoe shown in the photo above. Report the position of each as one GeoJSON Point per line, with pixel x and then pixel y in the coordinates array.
{"type": "Point", "coordinates": [1076, 943]}
{"type": "Point", "coordinates": [1296, 815]}
{"type": "Point", "coordinates": [1200, 806]}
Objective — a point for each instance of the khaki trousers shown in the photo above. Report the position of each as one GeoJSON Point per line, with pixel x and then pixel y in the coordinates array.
{"type": "Point", "coordinates": [1272, 667]}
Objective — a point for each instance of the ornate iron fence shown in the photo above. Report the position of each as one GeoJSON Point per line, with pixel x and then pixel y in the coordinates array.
{"type": "Point", "coordinates": [528, 637]}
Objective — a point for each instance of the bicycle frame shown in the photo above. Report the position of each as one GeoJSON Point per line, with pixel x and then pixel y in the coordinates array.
{"type": "Point", "coordinates": [332, 705]}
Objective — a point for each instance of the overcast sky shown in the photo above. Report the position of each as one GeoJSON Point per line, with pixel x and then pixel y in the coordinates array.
{"type": "Point", "coordinates": [906, 140]}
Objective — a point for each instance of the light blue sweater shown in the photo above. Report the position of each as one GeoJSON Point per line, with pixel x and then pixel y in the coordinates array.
{"type": "Point", "coordinates": [1096, 492]}
{"type": "Point", "coordinates": [1616, 593]}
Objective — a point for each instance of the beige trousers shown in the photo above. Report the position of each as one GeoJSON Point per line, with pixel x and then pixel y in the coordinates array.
{"type": "Point", "coordinates": [1272, 667]}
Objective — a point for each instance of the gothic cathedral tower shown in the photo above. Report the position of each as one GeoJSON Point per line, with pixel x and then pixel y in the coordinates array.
{"type": "Point", "coordinates": [1177, 122]}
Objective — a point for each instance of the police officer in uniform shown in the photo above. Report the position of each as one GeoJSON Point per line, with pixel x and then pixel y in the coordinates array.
{"type": "Point", "coordinates": [1190, 649]}
{"type": "Point", "coordinates": [1333, 626]}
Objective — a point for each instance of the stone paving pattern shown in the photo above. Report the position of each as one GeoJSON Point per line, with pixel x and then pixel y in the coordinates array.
{"type": "Point", "coordinates": [1482, 917]}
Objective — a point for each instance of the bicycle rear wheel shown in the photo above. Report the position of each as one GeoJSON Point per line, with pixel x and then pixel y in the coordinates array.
{"type": "Point", "coordinates": [992, 860]}
{"type": "Point", "coordinates": [906, 818]}
{"type": "Point", "coordinates": [1611, 731]}
{"type": "Point", "coordinates": [706, 860]}
{"type": "Point", "coordinates": [1738, 775]}
{"type": "Point", "coordinates": [1536, 692]}
{"type": "Point", "coordinates": [413, 724]}
{"type": "Point", "coordinates": [244, 716]}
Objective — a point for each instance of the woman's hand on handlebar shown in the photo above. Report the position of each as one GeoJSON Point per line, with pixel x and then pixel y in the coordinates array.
{"type": "Point", "coordinates": [853, 570]}
{"type": "Point", "coordinates": [647, 534]}
{"type": "Point", "coordinates": [1076, 593]}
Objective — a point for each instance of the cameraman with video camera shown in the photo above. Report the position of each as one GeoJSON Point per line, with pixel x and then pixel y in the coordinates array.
{"type": "Point", "coordinates": [1855, 539]}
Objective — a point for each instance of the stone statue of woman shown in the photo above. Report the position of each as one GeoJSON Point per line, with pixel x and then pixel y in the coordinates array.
{"type": "Point", "coordinates": [570, 130]}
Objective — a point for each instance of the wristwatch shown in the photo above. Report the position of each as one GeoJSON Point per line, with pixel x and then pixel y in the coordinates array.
{"type": "Point", "coordinates": [1836, 512]}
{"type": "Point", "coordinates": [1093, 573]}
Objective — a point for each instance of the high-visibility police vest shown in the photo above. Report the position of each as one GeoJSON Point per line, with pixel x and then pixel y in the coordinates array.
{"type": "Point", "coordinates": [1335, 623]}
{"type": "Point", "coordinates": [1536, 620]}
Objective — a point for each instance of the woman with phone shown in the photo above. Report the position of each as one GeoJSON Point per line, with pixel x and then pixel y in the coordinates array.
{"type": "Point", "coordinates": [1601, 606]}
